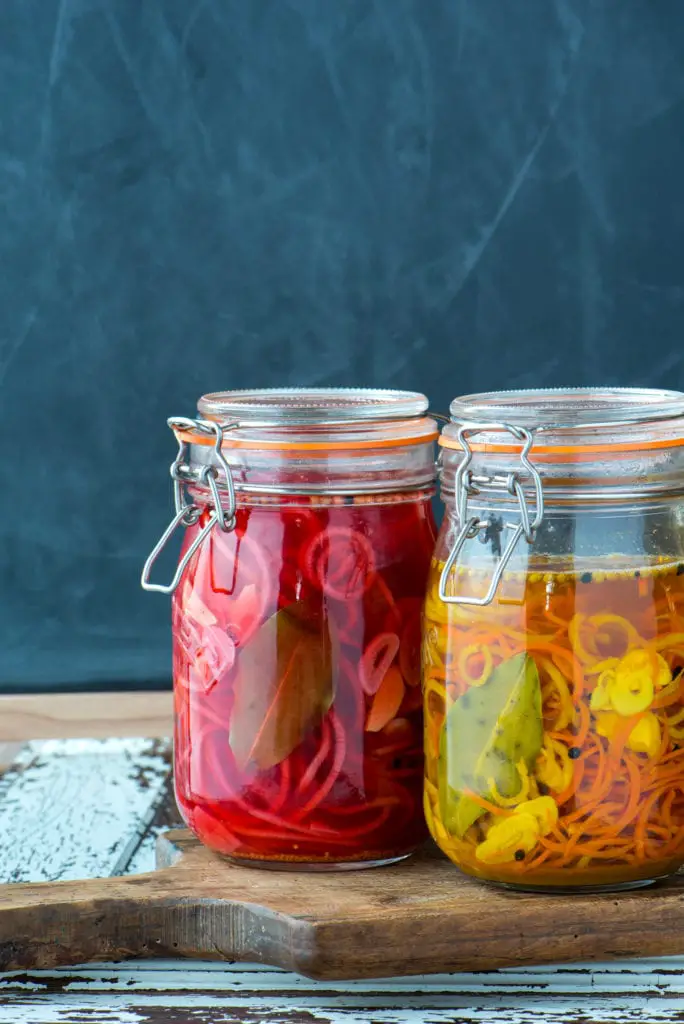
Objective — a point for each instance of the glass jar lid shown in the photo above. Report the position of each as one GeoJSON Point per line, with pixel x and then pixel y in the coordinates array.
{"type": "Point", "coordinates": [584, 443]}
{"type": "Point", "coordinates": [578, 420]}
{"type": "Point", "coordinates": [274, 407]}
{"type": "Point", "coordinates": [510, 457]}
{"type": "Point", "coordinates": [569, 408]}
{"type": "Point", "coordinates": [275, 445]}
{"type": "Point", "coordinates": [309, 441]}
{"type": "Point", "coordinates": [311, 419]}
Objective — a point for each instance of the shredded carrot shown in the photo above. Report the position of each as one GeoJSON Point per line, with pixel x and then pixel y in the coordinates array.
{"type": "Point", "coordinates": [623, 808]}
{"type": "Point", "coordinates": [485, 804]}
{"type": "Point", "coordinates": [387, 700]}
{"type": "Point", "coordinates": [575, 783]}
{"type": "Point", "coordinates": [671, 694]}
{"type": "Point", "coordinates": [482, 656]}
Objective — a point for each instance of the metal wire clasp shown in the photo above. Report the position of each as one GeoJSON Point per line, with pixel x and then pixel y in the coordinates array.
{"type": "Point", "coordinates": [187, 512]}
{"type": "Point", "coordinates": [466, 485]}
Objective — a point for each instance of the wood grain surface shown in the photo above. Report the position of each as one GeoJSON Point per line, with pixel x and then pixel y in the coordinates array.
{"type": "Point", "coordinates": [417, 917]}
{"type": "Point", "coordinates": [88, 715]}
{"type": "Point", "coordinates": [180, 991]}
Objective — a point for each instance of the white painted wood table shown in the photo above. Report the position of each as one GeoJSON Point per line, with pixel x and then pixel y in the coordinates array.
{"type": "Point", "coordinates": [97, 806]}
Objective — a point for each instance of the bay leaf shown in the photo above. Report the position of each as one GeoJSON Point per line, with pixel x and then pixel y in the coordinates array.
{"type": "Point", "coordinates": [488, 731]}
{"type": "Point", "coordinates": [283, 687]}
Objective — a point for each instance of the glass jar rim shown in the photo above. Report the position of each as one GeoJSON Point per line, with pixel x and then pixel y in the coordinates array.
{"type": "Point", "coordinates": [288, 407]}
{"type": "Point", "coordinates": [575, 422]}
{"type": "Point", "coordinates": [569, 408]}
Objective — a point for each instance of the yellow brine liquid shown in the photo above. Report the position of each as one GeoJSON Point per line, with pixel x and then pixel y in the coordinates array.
{"type": "Point", "coordinates": [554, 725]}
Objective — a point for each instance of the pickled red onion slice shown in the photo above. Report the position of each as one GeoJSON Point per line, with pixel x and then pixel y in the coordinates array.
{"type": "Point", "coordinates": [340, 561]}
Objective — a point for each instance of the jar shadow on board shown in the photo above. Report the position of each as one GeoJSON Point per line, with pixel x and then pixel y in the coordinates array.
{"type": "Point", "coordinates": [296, 624]}
{"type": "Point", "coordinates": [553, 650]}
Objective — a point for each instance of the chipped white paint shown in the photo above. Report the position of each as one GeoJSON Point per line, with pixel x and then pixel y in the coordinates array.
{"type": "Point", "coordinates": [78, 808]}
{"type": "Point", "coordinates": [9, 769]}
{"type": "Point", "coordinates": [642, 977]}
{"type": "Point", "coordinates": [160, 1008]}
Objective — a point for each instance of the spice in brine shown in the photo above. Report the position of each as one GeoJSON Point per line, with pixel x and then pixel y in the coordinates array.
{"type": "Point", "coordinates": [554, 726]}
{"type": "Point", "coordinates": [297, 681]}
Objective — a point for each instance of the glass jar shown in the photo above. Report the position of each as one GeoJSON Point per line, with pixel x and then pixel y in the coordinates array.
{"type": "Point", "coordinates": [296, 623]}
{"type": "Point", "coordinates": [554, 640]}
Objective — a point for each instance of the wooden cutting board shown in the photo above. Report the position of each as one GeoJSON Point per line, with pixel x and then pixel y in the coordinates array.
{"type": "Point", "coordinates": [418, 917]}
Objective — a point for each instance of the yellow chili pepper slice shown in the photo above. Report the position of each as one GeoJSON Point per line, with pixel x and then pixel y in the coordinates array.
{"type": "Point", "coordinates": [544, 809]}
{"type": "Point", "coordinates": [553, 766]}
{"type": "Point", "coordinates": [632, 689]}
{"type": "Point", "coordinates": [642, 662]}
{"type": "Point", "coordinates": [607, 722]}
{"type": "Point", "coordinates": [600, 698]}
{"type": "Point", "coordinates": [645, 736]}
{"type": "Point", "coordinates": [507, 837]}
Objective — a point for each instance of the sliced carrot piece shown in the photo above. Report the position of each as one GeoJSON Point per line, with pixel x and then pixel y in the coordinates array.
{"type": "Point", "coordinates": [387, 700]}
{"type": "Point", "coordinates": [376, 660]}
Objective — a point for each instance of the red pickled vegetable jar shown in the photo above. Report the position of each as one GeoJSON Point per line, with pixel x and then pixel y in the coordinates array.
{"type": "Point", "coordinates": [296, 623]}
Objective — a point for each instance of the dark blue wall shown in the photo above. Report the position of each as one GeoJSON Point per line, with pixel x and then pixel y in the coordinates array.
{"type": "Point", "coordinates": [198, 194]}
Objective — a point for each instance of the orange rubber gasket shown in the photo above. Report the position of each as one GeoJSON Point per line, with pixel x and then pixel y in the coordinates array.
{"type": "Point", "coordinates": [567, 453]}
{"type": "Point", "coordinates": [314, 447]}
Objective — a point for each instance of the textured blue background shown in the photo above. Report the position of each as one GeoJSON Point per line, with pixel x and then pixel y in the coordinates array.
{"type": "Point", "coordinates": [202, 194]}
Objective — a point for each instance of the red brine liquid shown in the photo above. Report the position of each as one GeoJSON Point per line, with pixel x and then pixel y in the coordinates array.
{"type": "Point", "coordinates": [299, 734]}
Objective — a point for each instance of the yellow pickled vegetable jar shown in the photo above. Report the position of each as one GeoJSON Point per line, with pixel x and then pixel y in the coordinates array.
{"type": "Point", "coordinates": [553, 641]}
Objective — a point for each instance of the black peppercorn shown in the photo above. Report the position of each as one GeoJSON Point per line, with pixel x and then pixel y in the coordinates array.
{"type": "Point", "coordinates": [574, 753]}
{"type": "Point", "coordinates": [520, 855]}
{"type": "Point", "coordinates": [586, 577]}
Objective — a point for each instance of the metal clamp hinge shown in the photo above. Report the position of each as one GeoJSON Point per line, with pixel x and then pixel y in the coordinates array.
{"type": "Point", "coordinates": [467, 485]}
{"type": "Point", "coordinates": [187, 512]}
